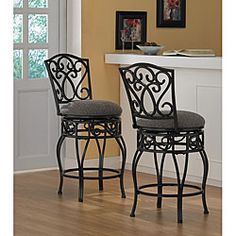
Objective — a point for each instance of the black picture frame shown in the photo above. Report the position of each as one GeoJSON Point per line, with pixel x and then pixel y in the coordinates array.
{"type": "Point", "coordinates": [122, 20]}
{"type": "Point", "coordinates": [171, 13]}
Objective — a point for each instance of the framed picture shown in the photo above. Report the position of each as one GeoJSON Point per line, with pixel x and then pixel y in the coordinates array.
{"type": "Point", "coordinates": [171, 13]}
{"type": "Point", "coordinates": [131, 29]}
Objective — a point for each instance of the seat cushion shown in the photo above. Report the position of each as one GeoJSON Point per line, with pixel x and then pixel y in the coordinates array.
{"type": "Point", "coordinates": [91, 108]}
{"type": "Point", "coordinates": [186, 120]}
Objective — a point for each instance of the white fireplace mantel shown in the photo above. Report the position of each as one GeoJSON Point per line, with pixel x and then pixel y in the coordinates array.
{"type": "Point", "coordinates": [198, 83]}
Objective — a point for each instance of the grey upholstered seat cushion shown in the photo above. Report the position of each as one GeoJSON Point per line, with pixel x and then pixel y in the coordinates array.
{"type": "Point", "coordinates": [186, 120]}
{"type": "Point", "coordinates": [91, 108]}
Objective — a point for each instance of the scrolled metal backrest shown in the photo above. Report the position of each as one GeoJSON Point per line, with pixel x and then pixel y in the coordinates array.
{"type": "Point", "coordinates": [150, 91]}
{"type": "Point", "coordinates": [68, 74]}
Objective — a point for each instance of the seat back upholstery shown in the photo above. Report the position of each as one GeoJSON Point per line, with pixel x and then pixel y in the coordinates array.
{"type": "Point", "coordinates": [150, 91]}
{"type": "Point", "coordinates": [69, 76]}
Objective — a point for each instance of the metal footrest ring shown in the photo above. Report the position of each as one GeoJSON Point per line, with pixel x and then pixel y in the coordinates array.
{"type": "Point", "coordinates": [92, 177]}
{"type": "Point", "coordinates": [200, 191]}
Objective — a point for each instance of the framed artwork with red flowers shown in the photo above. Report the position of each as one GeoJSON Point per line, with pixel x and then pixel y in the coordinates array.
{"type": "Point", "coordinates": [171, 13]}
{"type": "Point", "coordinates": [131, 29]}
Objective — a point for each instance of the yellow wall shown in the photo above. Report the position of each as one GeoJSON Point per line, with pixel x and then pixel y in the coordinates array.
{"type": "Point", "coordinates": [203, 30]}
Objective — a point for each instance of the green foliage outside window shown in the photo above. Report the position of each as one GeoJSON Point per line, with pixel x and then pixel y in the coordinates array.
{"type": "Point", "coordinates": [17, 64]}
{"type": "Point", "coordinates": [37, 33]}
{"type": "Point", "coordinates": [36, 66]}
{"type": "Point", "coordinates": [38, 28]}
{"type": "Point", "coordinates": [18, 28]}
{"type": "Point", "coordinates": [38, 3]}
{"type": "Point", "coordinates": [18, 3]}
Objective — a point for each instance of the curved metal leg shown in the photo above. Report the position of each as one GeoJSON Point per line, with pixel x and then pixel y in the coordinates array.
{"type": "Point", "coordinates": [101, 161]}
{"type": "Point", "coordinates": [59, 144]}
{"type": "Point", "coordinates": [122, 146]}
{"type": "Point", "coordinates": [157, 174]}
{"type": "Point", "coordinates": [81, 166]}
{"type": "Point", "coordinates": [159, 199]}
{"type": "Point", "coordinates": [180, 192]}
{"type": "Point", "coordinates": [80, 171]}
{"type": "Point", "coordinates": [180, 186]}
{"type": "Point", "coordinates": [137, 156]}
{"type": "Point", "coordinates": [204, 180]}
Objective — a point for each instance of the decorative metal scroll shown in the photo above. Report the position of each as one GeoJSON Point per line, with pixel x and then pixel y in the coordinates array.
{"type": "Point", "coordinates": [150, 91]}
{"type": "Point", "coordinates": [68, 75]}
{"type": "Point", "coordinates": [178, 143]}
{"type": "Point", "coordinates": [89, 129]}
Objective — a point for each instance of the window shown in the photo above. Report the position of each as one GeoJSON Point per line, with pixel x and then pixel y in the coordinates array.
{"type": "Point", "coordinates": [30, 38]}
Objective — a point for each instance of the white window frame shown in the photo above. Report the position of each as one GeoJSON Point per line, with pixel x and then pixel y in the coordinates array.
{"type": "Point", "coordinates": [56, 13]}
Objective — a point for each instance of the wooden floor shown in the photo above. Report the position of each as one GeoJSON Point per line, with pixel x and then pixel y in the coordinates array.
{"type": "Point", "coordinates": [39, 211]}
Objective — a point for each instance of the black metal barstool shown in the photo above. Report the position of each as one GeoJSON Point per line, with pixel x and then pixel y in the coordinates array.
{"type": "Point", "coordinates": [161, 128]}
{"type": "Point", "coordinates": [84, 119]}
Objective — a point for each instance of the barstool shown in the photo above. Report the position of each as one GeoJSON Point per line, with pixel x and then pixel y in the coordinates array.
{"type": "Point", "coordinates": [83, 118]}
{"type": "Point", "coordinates": [161, 128]}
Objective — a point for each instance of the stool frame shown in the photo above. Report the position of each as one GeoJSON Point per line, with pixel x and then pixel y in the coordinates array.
{"type": "Point", "coordinates": [69, 70]}
{"type": "Point", "coordinates": [156, 85]}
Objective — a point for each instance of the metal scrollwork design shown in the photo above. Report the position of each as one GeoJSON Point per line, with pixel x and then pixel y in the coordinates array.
{"type": "Point", "coordinates": [91, 128]}
{"type": "Point", "coordinates": [69, 127]}
{"type": "Point", "coordinates": [68, 73]}
{"type": "Point", "coordinates": [149, 89]}
{"type": "Point", "coordinates": [149, 142]}
{"type": "Point", "coordinates": [196, 142]}
{"type": "Point", "coordinates": [179, 143]}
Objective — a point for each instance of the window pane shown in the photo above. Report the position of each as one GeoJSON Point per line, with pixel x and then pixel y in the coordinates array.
{"type": "Point", "coordinates": [38, 28]}
{"type": "Point", "coordinates": [38, 3]}
{"type": "Point", "coordinates": [18, 3]}
{"type": "Point", "coordinates": [36, 66]}
{"type": "Point", "coordinates": [17, 64]}
{"type": "Point", "coordinates": [18, 28]}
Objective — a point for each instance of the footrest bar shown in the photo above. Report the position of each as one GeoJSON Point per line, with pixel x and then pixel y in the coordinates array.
{"type": "Point", "coordinates": [169, 194]}
{"type": "Point", "coordinates": [91, 177]}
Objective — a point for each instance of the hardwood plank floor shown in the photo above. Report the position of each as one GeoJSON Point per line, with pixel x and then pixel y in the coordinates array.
{"type": "Point", "coordinates": [39, 211]}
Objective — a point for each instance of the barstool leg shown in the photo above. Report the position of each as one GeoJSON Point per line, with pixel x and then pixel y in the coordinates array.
{"type": "Point", "coordinates": [101, 161]}
{"type": "Point", "coordinates": [81, 167]}
{"type": "Point", "coordinates": [80, 171]}
{"type": "Point", "coordinates": [180, 186]}
{"type": "Point", "coordinates": [180, 191]}
{"type": "Point", "coordinates": [204, 180]}
{"type": "Point", "coordinates": [159, 199]}
{"type": "Point", "coordinates": [159, 187]}
{"type": "Point", "coordinates": [59, 144]}
{"type": "Point", "coordinates": [81, 185]}
{"type": "Point", "coordinates": [136, 158]}
{"type": "Point", "coordinates": [122, 146]}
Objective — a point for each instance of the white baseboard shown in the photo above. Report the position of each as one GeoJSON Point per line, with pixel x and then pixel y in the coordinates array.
{"type": "Point", "coordinates": [171, 174]}
{"type": "Point", "coordinates": [34, 170]}
{"type": "Point", "coordinates": [114, 162]}
{"type": "Point", "coordinates": [109, 162]}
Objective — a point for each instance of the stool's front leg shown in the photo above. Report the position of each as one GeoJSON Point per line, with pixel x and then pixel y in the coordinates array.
{"type": "Point", "coordinates": [136, 158]}
{"type": "Point", "coordinates": [59, 145]}
{"type": "Point", "coordinates": [205, 173]}
{"type": "Point", "coordinates": [101, 153]}
{"type": "Point", "coordinates": [122, 146]}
